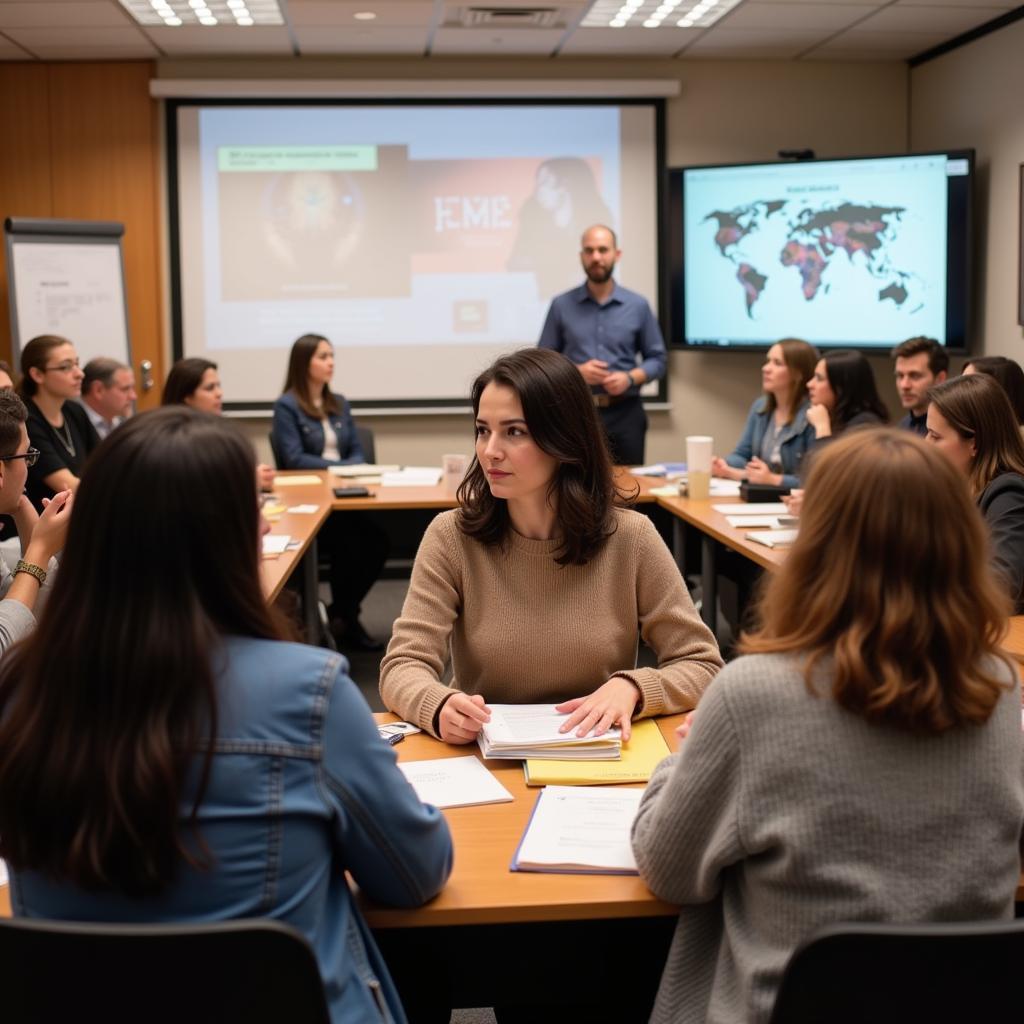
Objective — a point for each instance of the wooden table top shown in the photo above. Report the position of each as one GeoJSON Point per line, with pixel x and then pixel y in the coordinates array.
{"type": "Point", "coordinates": [702, 515]}
{"type": "Point", "coordinates": [482, 889]}
{"type": "Point", "coordinates": [301, 527]}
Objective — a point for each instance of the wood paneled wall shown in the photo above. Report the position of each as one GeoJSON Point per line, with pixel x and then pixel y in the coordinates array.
{"type": "Point", "coordinates": [79, 141]}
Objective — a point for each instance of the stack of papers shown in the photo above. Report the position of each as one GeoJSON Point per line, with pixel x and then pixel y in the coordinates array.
{"type": "Point", "coordinates": [361, 469]}
{"type": "Point", "coordinates": [746, 522]}
{"type": "Point", "coordinates": [580, 832]}
{"type": "Point", "coordinates": [773, 538]}
{"type": "Point", "coordinates": [519, 731]}
{"type": "Point", "coordinates": [645, 750]}
{"type": "Point", "coordinates": [299, 480]}
{"type": "Point", "coordinates": [454, 782]}
{"type": "Point", "coordinates": [666, 469]}
{"type": "Point", "coordinates": [412, 476]}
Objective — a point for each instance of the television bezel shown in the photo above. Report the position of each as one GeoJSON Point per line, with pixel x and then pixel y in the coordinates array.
{"type": "Point", "coordinates": [675, 283]}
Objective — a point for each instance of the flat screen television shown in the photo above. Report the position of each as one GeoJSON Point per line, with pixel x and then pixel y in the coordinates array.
{"type": "Point", "coordinates": [853, 253]}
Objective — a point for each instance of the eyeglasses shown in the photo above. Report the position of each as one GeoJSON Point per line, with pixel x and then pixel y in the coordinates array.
{"type": "Point", "coordinates": [31, 457]}
{"type": "Point", "coordinates": [66, 367]}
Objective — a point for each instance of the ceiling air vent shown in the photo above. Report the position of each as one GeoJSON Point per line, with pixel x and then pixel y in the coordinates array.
{"type": "Point", "coordinates": [508, 17]}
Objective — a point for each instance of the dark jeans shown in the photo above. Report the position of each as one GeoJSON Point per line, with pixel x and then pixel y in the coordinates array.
{"type": "Point", "coordinates": [625, 426]}
{"type": "Point", "coordinates": [357, 548]}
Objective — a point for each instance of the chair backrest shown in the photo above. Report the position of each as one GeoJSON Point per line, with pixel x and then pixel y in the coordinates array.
{"type": "Point", "coordinates": [899, 974]}
{"type": "Point", "coordinates": [275, 452]}
{"type": "Point", "coordinates": [252, 971]}
{"type": "Point", "coordinates": [366, 442]}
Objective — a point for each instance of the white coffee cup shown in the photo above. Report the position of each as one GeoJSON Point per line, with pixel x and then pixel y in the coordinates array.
{"type": "Point", "coordinates": [453, 470]}
{"type": "Point", "coordinates": [698, 466]}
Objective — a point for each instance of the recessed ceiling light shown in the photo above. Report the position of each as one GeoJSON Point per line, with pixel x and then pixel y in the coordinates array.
{"type": "Point", "coordinates": [173, 22]}
{"type": "Point", "coordinates": [244, 22]}
{"type": "Point", "coordinates": [364, 15]}
{"type": "Point", "coordinates": [207, 19]}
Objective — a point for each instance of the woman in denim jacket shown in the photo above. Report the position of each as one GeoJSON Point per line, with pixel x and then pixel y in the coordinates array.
{"type": "Point", "coordinates": [183, 763]}
{"type": "Point", "coordinates": [313, 429]}
{"type": "Point", "coordinates": [776, 435]}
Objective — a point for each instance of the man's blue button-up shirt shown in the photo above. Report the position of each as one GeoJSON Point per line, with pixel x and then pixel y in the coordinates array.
{"type": "Point", "coordinates": [581, 328]}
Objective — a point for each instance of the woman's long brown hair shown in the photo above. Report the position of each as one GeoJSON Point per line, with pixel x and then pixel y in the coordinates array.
{"type": "Point", "coordinates": [297, 379]}
{"type": "Point", "coordinates": [105, 709]}
{"type": "Point", "coordinates": [889, 582]}
{"type": "Point", "coordinates": [559, 413]}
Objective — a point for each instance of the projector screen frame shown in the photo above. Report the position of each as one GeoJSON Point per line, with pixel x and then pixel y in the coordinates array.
{"type": "Point", "coordinates": [673, 250]}
{"type": "Point", "coordinates": [652, 398]}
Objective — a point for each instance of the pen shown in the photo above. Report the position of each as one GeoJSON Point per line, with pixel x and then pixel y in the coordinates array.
{"type": "Point", "coordinates": [394, 739]}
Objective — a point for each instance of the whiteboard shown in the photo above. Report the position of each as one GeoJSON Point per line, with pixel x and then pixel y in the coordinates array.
{"type": "Point", "coordinates": [67, 278]}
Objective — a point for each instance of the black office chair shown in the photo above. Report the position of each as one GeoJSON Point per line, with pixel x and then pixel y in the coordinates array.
{"type": "Point", "coordinates": [275, 452]}
{"type": "Point", "coordinates": [901, 974]}
{"type": "Point", "coordinates": [366, 442]}
{"type": "Point", "coordinates": [260, 972]}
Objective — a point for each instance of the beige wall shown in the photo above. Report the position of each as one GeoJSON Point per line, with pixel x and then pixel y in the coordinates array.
{"type": "Point", "coordinates": [727, 111]}
{"type": "Point", "coordinates": [974, 97]}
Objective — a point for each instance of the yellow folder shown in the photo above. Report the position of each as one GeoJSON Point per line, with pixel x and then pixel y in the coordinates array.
{"type": "Point", "coordinates": [644, 751]}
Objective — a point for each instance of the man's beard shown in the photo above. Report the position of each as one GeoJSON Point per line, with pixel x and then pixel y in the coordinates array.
{"type": "Point", "coordinates": [600, 274]}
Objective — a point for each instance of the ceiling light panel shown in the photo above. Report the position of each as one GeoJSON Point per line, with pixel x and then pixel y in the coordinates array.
{"type": "Point", "coordinates": [653, 13]}
{"type": "Point", "coordinates": [173, 13]}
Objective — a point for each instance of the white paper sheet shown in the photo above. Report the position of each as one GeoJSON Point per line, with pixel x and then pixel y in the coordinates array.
{"type": "Point", "coordinates": [583, 828]}
{"type": "Point", "coordinates": [773, 538]}
{"type": "Point", "coordinates": [412, 476]}
{"type": "Point", "coordinates": [3, 873]}
{"type": "Point", "coordinates": [362, 469]}
{"type": "Point", "coordinates": [303, 480]}
{"type": "Point", "coordinates": [766, 508]}
{"type": "Point", "coordinates": [304, 510]}
{"type": "Point", "coordinates": [454, 782]}
{"type": "Point", "coordinates": [745, 522]}
{"type": "Point", "coordinates": [275, 543]}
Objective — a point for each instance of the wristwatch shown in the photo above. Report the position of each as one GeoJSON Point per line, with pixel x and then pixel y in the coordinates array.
{"type": "Point", "coordinates": [32, 570]}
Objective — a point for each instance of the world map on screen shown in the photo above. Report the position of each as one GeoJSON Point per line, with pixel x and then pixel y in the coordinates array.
{"type": "Point", "coordinates": [798, 241]}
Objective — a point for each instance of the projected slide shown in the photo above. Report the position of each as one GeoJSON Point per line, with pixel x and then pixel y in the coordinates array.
{"type": "Point", "coordinates": [844, 251]}
{"type": "Point", "coordinates": [422, 240]}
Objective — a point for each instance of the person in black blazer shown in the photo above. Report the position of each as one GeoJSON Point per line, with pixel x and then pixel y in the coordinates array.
{"type": "Point", "coordinates": [971, 421]}
{"type": "Point", "coordinates": [313, 429]}
{"type": "Point", "coordinates": [57, 425]}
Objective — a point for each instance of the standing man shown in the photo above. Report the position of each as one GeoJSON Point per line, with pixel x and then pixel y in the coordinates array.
{"type": "Point", "coordinates": [108, 393]}
{"type": "Point", "coordinates": [920, 363]}
{"type": "Point", "coordinates": [602, 328]}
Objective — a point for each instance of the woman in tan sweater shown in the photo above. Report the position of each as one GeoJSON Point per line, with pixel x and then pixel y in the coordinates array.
{"type": "Point", "coordinates": [540, 586]}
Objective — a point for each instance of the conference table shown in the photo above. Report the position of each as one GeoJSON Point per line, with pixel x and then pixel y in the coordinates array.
{"type": "Point", "coordinates": [482, 890]}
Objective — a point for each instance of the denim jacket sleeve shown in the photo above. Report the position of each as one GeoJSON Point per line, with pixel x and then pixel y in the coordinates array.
{"type": "Point", "coordinates": [744, 450]}
{"type": "Point", "coordinates": [292, 433]}
{"type": "Point", "coordinates": [398, 850]}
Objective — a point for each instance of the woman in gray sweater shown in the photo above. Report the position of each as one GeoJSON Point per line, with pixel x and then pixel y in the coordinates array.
{"type": "Point", "coordinates": [865, 762]}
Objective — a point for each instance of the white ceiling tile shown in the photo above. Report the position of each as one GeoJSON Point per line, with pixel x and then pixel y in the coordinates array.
{"type": "Point", "coordinates": [222, 40]}
{"type": "Point", "coordinates": [338, 15]}
{"type": "Point", "coordinates": [951, 20]}
{"type": "Point", "coordinates": [9, 51]}
{"type": "Point", "coordinates": [827, 3]}
{"type": "Point", "coordinates": [496, 42]}
{"type": "Point", "coordinates": [40, 15]}
{"type": "Point", "coordinates": [83, 43]}
{"type": "Point", "coordinates": [367, 41]}
{"type": "Point", "coordinates": [800, 16]}
{"type": "Point", "coordinates": [660, 42]}
{"type": "Point", "coordinates": [733, 43]}
{"type": "Point", "coordinates": [905, 44]}
{"type": "Point", "coordinates": [1003, 5]}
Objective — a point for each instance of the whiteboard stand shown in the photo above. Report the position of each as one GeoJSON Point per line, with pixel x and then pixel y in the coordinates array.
{"type": "Point", "coordinates": [66, 277]}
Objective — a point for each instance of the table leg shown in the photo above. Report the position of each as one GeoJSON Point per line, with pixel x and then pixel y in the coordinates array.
{"type": "Point", "coordinates": [709, 582]}
{"type": "Point", "coordinates": [311, 593]}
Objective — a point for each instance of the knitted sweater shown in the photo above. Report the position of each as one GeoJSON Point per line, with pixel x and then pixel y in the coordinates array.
{"type": "Point", "coordinates": [522, 629]}
{"type": "Point", "coordinates": [784, 812]}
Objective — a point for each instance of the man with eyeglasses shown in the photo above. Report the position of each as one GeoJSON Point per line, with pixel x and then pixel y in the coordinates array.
{"type": "Point", "coordinates": [40, 536]}
{"type": "Point", "coordinates": [108, 393]}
